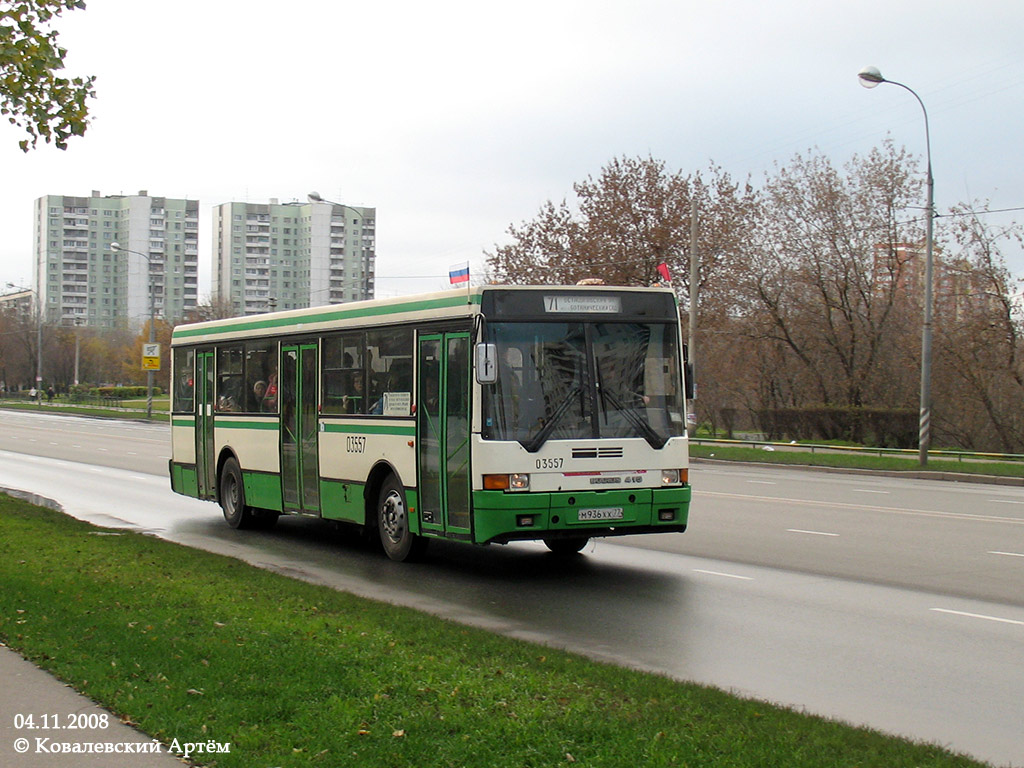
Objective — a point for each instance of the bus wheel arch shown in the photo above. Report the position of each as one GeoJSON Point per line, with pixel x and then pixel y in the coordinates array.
{"type": "Point", "coordinates": [391, 519]}
{"type": "Point", "coordinates": [381, 471]}
{"type": "Point", "coordinates": [231, 496]}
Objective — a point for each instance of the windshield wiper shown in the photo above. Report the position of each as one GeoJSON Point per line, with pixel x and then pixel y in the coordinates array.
{"type": "Point", "coordinates": [648, 432]}
{"type": "Point", "coordinates": [545, 432]}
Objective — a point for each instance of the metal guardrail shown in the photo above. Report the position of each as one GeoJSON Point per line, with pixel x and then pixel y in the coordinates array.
{"type": "Point", "coordinates": [813, 447]}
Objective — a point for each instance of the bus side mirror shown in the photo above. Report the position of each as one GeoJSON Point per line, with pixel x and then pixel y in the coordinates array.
{"type": "Point", "coordinates": [691, 383]}
{"type": "Point", "coordinates": [486, 363]}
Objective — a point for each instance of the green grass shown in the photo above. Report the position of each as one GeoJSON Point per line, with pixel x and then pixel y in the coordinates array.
{"type": "Point", "coordinates": [199, 647]}
{"type": "Point", "coordinates": [855, 460]}
{"type": "Point", "coordinates": [159, 403]}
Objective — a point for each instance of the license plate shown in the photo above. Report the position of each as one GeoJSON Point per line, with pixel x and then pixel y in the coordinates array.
{"type": "Point", "coordinates": [600, 513]}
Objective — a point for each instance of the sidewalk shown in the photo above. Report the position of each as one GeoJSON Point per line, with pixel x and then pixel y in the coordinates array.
{"type": "Point", "coordinates": [55, 711]}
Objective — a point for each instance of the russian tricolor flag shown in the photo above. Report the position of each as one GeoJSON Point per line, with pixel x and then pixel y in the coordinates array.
{"type": "Point", "coordinates": [459, 273]}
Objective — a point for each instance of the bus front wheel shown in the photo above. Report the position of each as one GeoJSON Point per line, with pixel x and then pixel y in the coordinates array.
{"type": "Point", "coordinates": [566, 546]}
{"type": "Point", "coordinates": [393, 523]}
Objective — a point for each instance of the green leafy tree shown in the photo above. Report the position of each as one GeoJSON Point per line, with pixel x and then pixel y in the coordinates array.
{"type": "Point", "coordinates": [32, 95]}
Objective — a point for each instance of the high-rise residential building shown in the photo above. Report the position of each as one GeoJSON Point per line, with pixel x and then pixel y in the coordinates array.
{"type": "Point", "coordinates": [81, 279]}
{"type": "Point", "coordinates": [292, 255]}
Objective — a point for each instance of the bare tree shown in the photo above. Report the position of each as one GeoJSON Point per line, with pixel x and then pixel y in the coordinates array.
{"type": "Point", "coordinates": [831, 280]}
{"type": "Point", "coordinates": [980, 376]}
{"type": "Point", "coordinates": [632, 217]}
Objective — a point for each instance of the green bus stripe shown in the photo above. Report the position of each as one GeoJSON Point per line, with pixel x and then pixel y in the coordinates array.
{"type": "Point", "coordinates": [264, 424]}
{"type": "Point", "coordinates": [187, 421]}
{"type": "Point", "coordinates": [292, 322]}
{"type": "Point", "coordinates": [372, 429]}
{"type": "Point", "coordinates": [364, 429]}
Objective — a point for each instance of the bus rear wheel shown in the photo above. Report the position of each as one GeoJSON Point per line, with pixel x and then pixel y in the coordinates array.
{"type": "Point", "coordinates": [568, 546]}
{"type": "Point", "coordinates": [232, 496]}
{"type": "Point", "coordinates": [399, 542]}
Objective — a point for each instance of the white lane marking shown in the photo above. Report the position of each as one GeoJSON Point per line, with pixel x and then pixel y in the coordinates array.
{"type": "Point", "coordinates": [1008, 554]}
{"type": "Point", "coordinates": [761, 482]}
{"type": "Point", "coordinates": [871, 490]}
{"type": "Point", "coordinates": [1006, 501]}
{"type": "Point", "coordinates": [978, 616]}
{"type": "Point", "coordinates": [811, 533]}
{"type": "Point", "coordinates": [864, 508]}
{"type": "Point", "coordinates": [726, 575]}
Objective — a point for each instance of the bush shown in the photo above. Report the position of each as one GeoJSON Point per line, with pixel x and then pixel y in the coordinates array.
{"type": "Point", "coordinates": [882, 427]}
{"type": "Point", "coordinates": [122, 393]}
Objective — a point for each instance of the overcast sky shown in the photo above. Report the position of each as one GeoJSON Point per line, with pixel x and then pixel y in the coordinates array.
{"type": "Point", "coordinates": [456, 119]}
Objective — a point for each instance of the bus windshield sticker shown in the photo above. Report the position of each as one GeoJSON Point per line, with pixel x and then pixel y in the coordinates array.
{"type": "Point", "coordinates": [583, 304]}
{"type": "Point", "coordinates": [397, 403]}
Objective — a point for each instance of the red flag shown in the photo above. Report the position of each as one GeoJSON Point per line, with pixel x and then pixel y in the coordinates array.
{"type": "Point", "coordinates": [663, 271]}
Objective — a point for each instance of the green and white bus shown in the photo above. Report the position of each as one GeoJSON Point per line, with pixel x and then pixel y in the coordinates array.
{"type": "Point", "coordinates": [486, 415]}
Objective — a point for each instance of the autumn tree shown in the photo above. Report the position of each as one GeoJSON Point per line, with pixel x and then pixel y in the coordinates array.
{"type": "Point", "coordinates": [131, 356]}
{"type": "Point", "coordinates": [32, 95]}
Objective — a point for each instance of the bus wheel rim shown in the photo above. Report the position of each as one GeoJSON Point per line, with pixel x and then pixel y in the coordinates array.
{"type": "Point", "coordinates": [393, 516]}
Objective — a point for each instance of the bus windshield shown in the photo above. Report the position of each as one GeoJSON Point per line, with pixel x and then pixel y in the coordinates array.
{"type": "Point", "coordinates": [572, 380]}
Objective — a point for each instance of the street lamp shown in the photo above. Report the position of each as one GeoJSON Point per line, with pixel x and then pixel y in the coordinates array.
{"type": "Point", "coordinates": [39, 338]}
{"type": "Point", "coordinates": [314, 197]}
{"type": "Point", "coordinates": [869, 78]}
{"type": "Point", "coordinates": [152, 327]}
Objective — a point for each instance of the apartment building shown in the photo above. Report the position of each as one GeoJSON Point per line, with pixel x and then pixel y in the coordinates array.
{"type": "Point", "coordinates": [292, 255]}
{"type": "Point", "coordinates": [82, 280]}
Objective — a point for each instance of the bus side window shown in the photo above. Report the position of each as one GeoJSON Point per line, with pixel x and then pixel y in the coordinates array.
{"type": "Point", "coordinates": [229, 379]}
{"type": "Point", "coordinates": [389, 370]}
{"type": "Point", "coordinates": [184, 379]}
{"type": "Point", "coordinates": [260, 365]}
{"type": "Point", "coordinates": [343, 374]}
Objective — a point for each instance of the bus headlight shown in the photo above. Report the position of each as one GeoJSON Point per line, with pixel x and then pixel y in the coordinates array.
{"type": "Point", "coordinates": [514, 482]}
{"type": "Point", "coordinates": [519, 481]}
{"type": "Point", "coordinates": [670, 477]}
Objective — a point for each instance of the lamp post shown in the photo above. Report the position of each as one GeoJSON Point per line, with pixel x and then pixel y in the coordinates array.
{"type": "Point", "coordinates": [869, 78]}
{"type": "Point", "coordinates": [152, 327]}
{"type": "Point", "coordinates": [39, 338]}
{"type": "Point", "coordinates": [314, 197]}
{"type": "Point", "coordinates": [78, 338]}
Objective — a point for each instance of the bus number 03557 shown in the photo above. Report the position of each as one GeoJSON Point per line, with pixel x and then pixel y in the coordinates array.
{"type": "Point", "coordinates": [549, 463]}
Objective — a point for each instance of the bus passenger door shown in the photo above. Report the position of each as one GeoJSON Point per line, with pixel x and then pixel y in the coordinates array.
{"type": "Point", "coordinates": [442, 427]}
{"type": "Point", "coordinates": [206, 460]}
{"type": "Point", "coordinates": [300, 473]}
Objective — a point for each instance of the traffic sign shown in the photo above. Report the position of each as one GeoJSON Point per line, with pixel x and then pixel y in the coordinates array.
{"type": "Point", "coordinates": [150, 357]}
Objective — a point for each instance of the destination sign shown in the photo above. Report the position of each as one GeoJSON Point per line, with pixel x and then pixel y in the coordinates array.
{"type": "Point", "coordinates": [582, 304]}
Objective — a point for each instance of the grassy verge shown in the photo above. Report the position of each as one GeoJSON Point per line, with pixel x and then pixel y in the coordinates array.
{"type": "Point", "coordinates": [855, 461]}
{"type": "Point", "coordinates": [84, 410]}
{"type": "Point", "coordinates": [196, 646]}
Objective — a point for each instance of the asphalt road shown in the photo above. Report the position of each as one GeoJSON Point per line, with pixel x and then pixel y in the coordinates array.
{"type": "Point", "coordinates": [894, 603]}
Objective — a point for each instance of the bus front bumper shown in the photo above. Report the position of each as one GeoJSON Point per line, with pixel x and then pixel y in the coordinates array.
{"type": "Point", "coordinates": [501, 516]}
